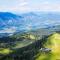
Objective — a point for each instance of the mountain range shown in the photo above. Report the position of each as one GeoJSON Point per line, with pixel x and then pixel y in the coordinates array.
{"type": "Point", "coordinates": [10, 22]}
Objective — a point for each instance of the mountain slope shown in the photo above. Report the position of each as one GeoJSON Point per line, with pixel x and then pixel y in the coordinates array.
{"type": "Point", "coordinates": [28, 21]}
{"type": "Point", "coordinates": [9, 22]}
{"type": "Point", "coordinates": [53, 43]}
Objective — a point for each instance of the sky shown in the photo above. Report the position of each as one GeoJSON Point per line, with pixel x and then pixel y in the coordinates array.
{"type": "Point", "coordinates": [29, 5]}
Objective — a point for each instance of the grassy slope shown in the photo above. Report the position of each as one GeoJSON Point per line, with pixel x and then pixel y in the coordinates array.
{"type": "Point", "coordinates": [53, 42]}
{"type": "Point", "coordinates": [5, 51]}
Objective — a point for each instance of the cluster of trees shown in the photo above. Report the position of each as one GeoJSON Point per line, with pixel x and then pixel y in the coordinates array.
{"type": "Point", "coordinates": [27, 52]}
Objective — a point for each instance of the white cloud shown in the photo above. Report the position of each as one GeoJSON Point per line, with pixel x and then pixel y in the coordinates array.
{"type": "Point", "coordinates": [24, 3]}
{"type": "Point", "coordinates": [12, 5]}
{"type": "Point", "coordinates": [29, 5]}
{"type": "Point", "coordinates": [8, 30]}
{"type": "Point", "coordinates": [47, 7]}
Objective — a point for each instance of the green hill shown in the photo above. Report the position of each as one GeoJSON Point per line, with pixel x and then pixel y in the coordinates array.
{"type": "Point", "coordinates": [53, 43]}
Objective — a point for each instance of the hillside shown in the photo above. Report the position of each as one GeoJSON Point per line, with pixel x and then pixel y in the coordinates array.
{"type": "Point", "coordinates": [10, 22]}
{"type": "Point", "coordinates": [39, 45]}
{"type": "Point", "coordinates": [53, 43]}
{"type": "Point", "coordinates": [30, 36]}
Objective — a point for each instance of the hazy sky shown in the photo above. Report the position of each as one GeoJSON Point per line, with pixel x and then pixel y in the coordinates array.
{"type": "Point", "coordinates": [29, 5]}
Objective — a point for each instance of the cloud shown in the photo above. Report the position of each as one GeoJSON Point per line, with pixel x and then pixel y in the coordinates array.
{"type": "Point", "coordinates": [24, 3]}
{"type": "Point", "coordinates": [13, 5]}
{"type": "Point", "coordinates": [42, 6]}
{"type": "Point", "coordinates": [47, 7]}
{"type": "Point", "coordinates": [8, 30]}
{"type": "Point", "coordinates": [29, 5]}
